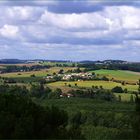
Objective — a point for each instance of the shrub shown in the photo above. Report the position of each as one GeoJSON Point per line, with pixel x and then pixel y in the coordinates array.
{"type": "Point", "coordinates": [117, 89]}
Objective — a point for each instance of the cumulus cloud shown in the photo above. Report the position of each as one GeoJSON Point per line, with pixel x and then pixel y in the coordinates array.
{"type": "Point", "coordinates": [9, 31]}
{"type": "Point", "coordinates": [89, 21]}
{"type": "Point", "coordinates": [51, 31]}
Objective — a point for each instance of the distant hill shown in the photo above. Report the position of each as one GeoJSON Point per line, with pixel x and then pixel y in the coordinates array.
{"type": "Point", "coordinates": [104, 62]}
{"type": "Point", "coordinates": [12, 61]}
{"type": "Point", "coordinates": [18, 61]}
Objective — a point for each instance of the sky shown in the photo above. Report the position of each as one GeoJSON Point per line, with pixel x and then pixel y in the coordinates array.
{"type": "Point", "coordinates": [70, 30]}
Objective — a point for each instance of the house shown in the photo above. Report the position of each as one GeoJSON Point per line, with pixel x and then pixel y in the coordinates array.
{"type": "Point", "coordinates": [66, 95]}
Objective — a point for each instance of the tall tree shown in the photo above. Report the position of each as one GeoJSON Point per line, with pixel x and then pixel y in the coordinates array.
{"type": "Point", "coordinates": [136, 121]}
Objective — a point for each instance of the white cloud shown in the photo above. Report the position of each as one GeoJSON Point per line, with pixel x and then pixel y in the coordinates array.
{"type": "Point", "coordinates": [22, 13]}
{"type": "Point", "coordinates": [107, 31]}
{"type": "Point", "coordinates": [66, 21]}
{"type": "Point", "coordinates": [126, 17]}
{"type": "Point", "coordinates": [9, 31]}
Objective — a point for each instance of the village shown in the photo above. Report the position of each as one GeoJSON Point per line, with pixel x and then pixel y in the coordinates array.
{"type": "Point", "coordinates": [72, 76]}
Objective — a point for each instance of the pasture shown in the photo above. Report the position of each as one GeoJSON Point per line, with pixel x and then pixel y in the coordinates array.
{"type": "Point", "coordinates": [40, 73]}
{"type": "Point", "coordinates": [58, 63]}
{"type": "Point", "coordinates": [125, 96]}
{"type": "Point", "coordinates": [89, 84]}
{"type": "Point", "coordinates": [128, 76]}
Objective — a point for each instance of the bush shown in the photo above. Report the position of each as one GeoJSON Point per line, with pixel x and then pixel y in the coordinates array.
{"type": "Point", "coordinates": [117, 89]}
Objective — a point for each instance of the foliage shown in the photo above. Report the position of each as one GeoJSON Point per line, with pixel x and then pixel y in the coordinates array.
{"type": "Point", "coordinates": [117, 89]}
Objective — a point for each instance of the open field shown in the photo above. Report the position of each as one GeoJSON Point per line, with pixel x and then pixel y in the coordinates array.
{"type": "Point", "coordinates": [40, 73]}
{"type": "Point", "coordinates": [58, 63]}
{"type": "Point", "coordinates": [119, 75]}
{"type": "Point", "coordinates": [125, 97]}
{"type": "Point", "coordinates": [105, 84]}
{"type": "Point", "coordinates": [20, 64]}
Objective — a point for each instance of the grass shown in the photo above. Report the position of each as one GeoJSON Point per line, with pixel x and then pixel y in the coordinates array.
{"type": "Point", "coordinates": [105, 84]}
{"type": "Point", "coordinates": [119, 74]}
{"type": "Point", "coordinates": [124, 96]}
{"type": "Point", "coordinates": [41, 73]}
{"type": "Point", "coordinates": [58, 63]}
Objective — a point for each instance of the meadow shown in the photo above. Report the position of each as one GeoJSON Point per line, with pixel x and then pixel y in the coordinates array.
{"type": "Point", "coordinates": [58, 63]}
{"type": "Point", "coordinates": [123, 75]}
{"type": "Point", "coordinates": [40, 73]}
{"type": "Point", "coordinates": [127, 76]}
{"type": "Point", "coordinates": [89, 84]}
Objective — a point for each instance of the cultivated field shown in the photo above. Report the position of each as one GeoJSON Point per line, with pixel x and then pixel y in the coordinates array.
{"type": "Point", "coordinates": [40, 73]}
{"type": "Point", "coordinates": [104, 84]}
{"type": "Point", "coordinates": [128, 76]}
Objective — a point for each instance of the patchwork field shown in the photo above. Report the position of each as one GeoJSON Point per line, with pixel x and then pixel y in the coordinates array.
{"type": "Point", "coordinates": [40, 73]}
{"type": "Point", "coordinates": [105, 84]}
{"type": "Point", "coordinates": [119, 74]}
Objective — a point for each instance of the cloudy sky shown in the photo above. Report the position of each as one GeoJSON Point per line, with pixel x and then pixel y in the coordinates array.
{"type": "Point", "coordinates": [86, 30]}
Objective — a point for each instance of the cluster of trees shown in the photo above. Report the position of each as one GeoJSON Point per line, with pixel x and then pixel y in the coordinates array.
{"type": "Point", "coordinates": [15, 68]}
{"type": "Point", "coordinates": [119, 89]}
{"type": "Point", "coordinates": [77, 70]}
{"type": "Point", "coordinates": [116, 66]}
{"type": "Point", "coordinates": [101, 94]}
{"type": "Point", "coordinates": [21, 118]}
{"type": "Point", "coordinates": [36, 90]}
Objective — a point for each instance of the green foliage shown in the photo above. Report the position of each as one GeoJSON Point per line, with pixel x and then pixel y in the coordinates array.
{"type": "Point", "coordinates": [136, 122]}
{"type": "Point", "coordinates": [21, 118]}
{"type": "Point", "coordinates": [14, 89]}
{"type": "Point", "coordinates": [38, 90]}
{"type": "Point", "coordinates": [55, 94]}
{"type": "Point", "coordinates": [119, 98]}
{"type": "Point", "coordinates": [117, 89]}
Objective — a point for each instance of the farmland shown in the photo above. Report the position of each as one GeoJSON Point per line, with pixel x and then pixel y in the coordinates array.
{"type": "Point", "coordinates": [89, 84]}
{"type": "Point", "coordinates": [119, 75]}
{"type": "Point", "coordinates": [92, 108]}
{"type": "Point", "coordinates": [40, 73]}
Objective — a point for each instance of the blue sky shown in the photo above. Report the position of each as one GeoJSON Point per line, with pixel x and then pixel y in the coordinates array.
{"type": "Point", "coordinates": [74, 30]}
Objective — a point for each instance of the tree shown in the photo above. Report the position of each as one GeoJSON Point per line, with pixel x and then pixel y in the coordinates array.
{"type": "Point", "coordinates": [55, 94]}
{"type": "Point", "coordinates": [20, 118]}
{"type": "Point", "coordinates": [104, 78]}
{"type": "Point", "coordinates": [93, 73]}
{"type": "Point", "coordinates": [131, 99]}
{"type": "Point", "coordinates": [117, 89]}
{"type": "Point", "coordinates": [123, 83]}
{"type": "Point", "coordinates": [61, 71]}
{"type": "Point", "coordinates": [119, 98]}
{"type": "Point", "coordinates": [69, 85]}
{"type": "Point", "coordinates": [125, 90]}
{"type": "Point", "coordinates": [39, 90]}
{"type": "Point", "coordinates": [139, 87]}
{"type": "Point", "coordinates": [33, 75]}
{"type": "Point", "coordinates": [76, 84]}
{"type": "Point", "coordinates": [136, 119]}
{"type": "Point", "coordinates": [101, 87]}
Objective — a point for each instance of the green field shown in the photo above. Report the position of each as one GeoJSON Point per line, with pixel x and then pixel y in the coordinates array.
{"type": "Point", "coordinates": [119, 75]}
{"type": "Point", "coordinates": [105, 84]}
{"type": "Point", "coordinates": [124, 96]}
{"type": "Point", "coordinates": [59, 63]}
{"type": "Point", "coordinates": [40, 73]}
